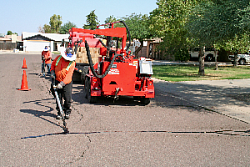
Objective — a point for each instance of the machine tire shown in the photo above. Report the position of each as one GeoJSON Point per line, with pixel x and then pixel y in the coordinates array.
{"type": "Point", "coordinates": [242, 61]}
{"type": "Point", "coordinates": [84, 73]}
{"type": "Point", "coordinates": [86, 87]}
{"type": "Point", "coordinates": [145, 101]}
{"type": "Point", "coordinates": [91, 99]}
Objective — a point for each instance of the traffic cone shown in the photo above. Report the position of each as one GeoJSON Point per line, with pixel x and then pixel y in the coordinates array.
{"type": "Point", "coordinates": [24, 64]}
{"type": "Point", "coordinates": [24, 85]}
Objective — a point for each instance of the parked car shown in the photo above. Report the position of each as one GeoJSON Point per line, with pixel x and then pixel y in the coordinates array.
{"type": "Point", "coordinates": [209, 53]}
{"type": "Point", "coordinates": [241, 58]}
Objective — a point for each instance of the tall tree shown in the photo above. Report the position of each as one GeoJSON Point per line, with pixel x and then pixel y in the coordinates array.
{"type": "Point", "coordinates": [65, 28]}
{"type": "Point", "coordinates": [138, 25]}
{"type": "Point", "coordinates": [220, 22]}
{"type": "Point", "coordinates": [111, 19]}
{"type": "Point", "coordinates": [46, 28]}
{"type": "Point", "coordinates": [92, 21]}
{"type": "Point", "coordinates": [55, 23]}
{"type": "Point", "coordinates": [168, 22]}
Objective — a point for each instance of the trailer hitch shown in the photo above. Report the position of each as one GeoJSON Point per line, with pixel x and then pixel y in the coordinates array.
{"type": "Point", "coordinates": [116, 92]}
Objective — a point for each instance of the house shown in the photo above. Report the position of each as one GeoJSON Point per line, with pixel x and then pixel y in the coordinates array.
{"type": "Point", "coordinates": [37, 41]}
{"type": "Point", "coordinates": [149, 49]}
{"type": "Point", "coordinates": [9, 42]}
{"type": "Point", "coordinates": [10, 38]}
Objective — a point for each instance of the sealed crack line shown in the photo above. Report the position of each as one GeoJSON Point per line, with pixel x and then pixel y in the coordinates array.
{"type": "Point", "coordinates": [220, 132]}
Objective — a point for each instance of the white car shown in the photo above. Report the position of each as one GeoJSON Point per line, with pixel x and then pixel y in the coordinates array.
{"type": "Point", "coordinates": [209, 53]}
{"type": "Point", "coordinates": [241, 58]}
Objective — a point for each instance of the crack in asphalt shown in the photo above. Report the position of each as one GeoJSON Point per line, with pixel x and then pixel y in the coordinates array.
{"type": "Point", "coordinates": [219, 132]}
{"type": "Point", "coordinates": [82, 155]}
{"type": "Point", "coordinates": [78, 112]}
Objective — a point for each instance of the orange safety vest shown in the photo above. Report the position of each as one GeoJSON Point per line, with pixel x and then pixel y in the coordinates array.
{"type": "Point", "coordinates": [47, 55]}
{"type": "Point", "coordinates": [62, 70]}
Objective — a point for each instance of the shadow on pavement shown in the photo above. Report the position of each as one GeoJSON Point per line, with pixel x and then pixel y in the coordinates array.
{"type": "Point", "coordinates": [78, 95]}
{"type": "Point", "coordinates": [40, 114]}
{"type": "Point", "coordinates": [205, 94]}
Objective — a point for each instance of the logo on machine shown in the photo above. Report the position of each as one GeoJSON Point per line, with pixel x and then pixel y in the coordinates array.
{"type": "Point", "coordinates": [114, 66]}
{"type": "Point", "coordinates": [114, 71]}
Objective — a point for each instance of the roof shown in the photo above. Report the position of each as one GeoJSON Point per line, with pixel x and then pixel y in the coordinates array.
{"type": "Point", "coordinates": [5, 39]}
{"type": "Point", "coordinates": [53, 37]}
{"type": "Point", "coordinates": [13, 37]}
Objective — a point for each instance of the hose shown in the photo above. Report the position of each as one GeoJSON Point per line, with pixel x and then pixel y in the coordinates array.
{"type": "Point", "coordinates": [129, 36]}
{"type": "Point", "coordinates": [104, 45]}
{"type": "Point", "coordinates": [112, 61]}
{"type": "Point", "coordinates": [91, 62]}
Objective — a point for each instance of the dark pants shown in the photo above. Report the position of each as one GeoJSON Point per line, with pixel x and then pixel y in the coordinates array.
{"type": "Point", "coordinates": [66, 94]}
{"type": "Point", "coordinates": [48, 67]}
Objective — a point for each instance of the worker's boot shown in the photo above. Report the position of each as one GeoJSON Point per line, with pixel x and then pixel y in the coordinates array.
{"type": "Point", "coordinates": [58, 115]}
{"type": "Point", "coordinates": [67, 114]}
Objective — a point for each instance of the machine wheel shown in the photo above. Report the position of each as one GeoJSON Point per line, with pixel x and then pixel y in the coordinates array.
{"type": "Point", "coordinates": [242, 61]}
{"type": "Point", "coordinates": [91, 99]}
{"type": "Point", "coordinates": [145, 101]}
{"type": "Point", "coordinates": [86, 87]}
{"type": "Point", "coordinates": [84, 73]}
{"type": "Point", "coordinates": [82, 79]}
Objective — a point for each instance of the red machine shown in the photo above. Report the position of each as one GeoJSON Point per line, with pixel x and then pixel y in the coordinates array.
{"type": "Point", "coordinates": [118, 73]}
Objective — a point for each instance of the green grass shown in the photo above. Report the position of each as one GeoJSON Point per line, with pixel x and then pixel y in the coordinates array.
{"type": "Point", "coordinates": [56, 52]}
{"type": "Point", "coordinates": [176, 73]}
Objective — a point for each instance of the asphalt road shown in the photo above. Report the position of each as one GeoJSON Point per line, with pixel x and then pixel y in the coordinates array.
{"type": "Point", "coordinates": [167, 132]}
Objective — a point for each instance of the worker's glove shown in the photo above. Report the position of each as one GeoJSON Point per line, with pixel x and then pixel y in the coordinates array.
{"type": "Point", "coordinates": [60, 85]}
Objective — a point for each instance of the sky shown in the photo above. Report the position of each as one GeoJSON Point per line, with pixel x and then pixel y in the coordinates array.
{"type": "Point", "coordinates": [27, 15]}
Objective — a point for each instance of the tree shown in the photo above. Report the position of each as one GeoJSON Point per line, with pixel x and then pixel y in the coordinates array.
{"type": "Point", "coordinates": [224, 24]}
{"type": "Point", "coordinates": [9, 32]}
{"type": "Point", "coordinates": [168, 22]}
{"type": "Point", "coordinates": [138, 26]}
{"type": "Point", "coordinates": [55, 23]}
{"type": "Point", "coordinates": [66, 27]}
{"type": "Point", "coordinates": [111, 19]}
{"type": "Point", "coordinates": [40, 29]}
{"type": "Point", "coordinates": [92, 21]}
{"type": "Point", "coordinates": [47, 28]}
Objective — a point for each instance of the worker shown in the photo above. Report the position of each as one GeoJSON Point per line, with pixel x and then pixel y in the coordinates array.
{"type": "Point", "coordinates": [62, 69]}
{"type": "Point", "coordinates": [46, 60]}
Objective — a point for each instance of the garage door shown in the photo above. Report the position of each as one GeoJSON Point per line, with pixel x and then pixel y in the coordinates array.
{"type": "Point", "coordinates": [36, 45]}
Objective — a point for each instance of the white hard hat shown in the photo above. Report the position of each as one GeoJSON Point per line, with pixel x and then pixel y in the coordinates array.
{"type": "Point", "coordinates": [69, 54]}
{"type": "Point", "coordinates": [46, 48]}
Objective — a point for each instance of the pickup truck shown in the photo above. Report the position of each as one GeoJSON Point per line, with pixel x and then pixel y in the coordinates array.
{"type": "Point", "coordinates": [209, 53]}
{"type": "Point", "coordinates": [241, 58]}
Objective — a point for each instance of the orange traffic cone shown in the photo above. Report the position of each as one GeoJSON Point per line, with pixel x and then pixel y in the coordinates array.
{"type": "Point", "coordinates": [24, 85]}
{"type": "Point", "coordinates": [24, 64]}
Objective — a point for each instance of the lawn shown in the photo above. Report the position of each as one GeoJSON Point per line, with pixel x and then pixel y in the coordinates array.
{"type": "Point", "coordinates": [176, 73]}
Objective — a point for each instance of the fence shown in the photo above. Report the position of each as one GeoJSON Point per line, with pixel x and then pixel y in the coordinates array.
{"type": "Point", "coordinates": [8, 46]}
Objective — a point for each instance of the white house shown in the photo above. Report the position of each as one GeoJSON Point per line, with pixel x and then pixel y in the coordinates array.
{"type": "Point", "coordinates": [37, 41]}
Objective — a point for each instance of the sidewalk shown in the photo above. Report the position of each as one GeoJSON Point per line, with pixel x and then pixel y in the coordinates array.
{"type": "Point", "coordinates": [195, 63]}
{"type": "Point", "coordinates": [228, 97]}
{"type": "Point", "coordinates": [19, 52]}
